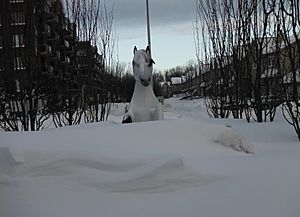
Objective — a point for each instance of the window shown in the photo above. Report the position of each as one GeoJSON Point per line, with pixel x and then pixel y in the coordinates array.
{"type": "Point", "coordinates": [16, 1]}
{"type": "Point", "coordinates": [49, 49]}
{"type": "Point", "coordinates": [48, 28]}
{"type": "Point", "coordinates": [18, 40]}
{"type": "Point", "coordinates": [46, 8]}
{"type": "Point", "coordinates": [58, 54]}
{"type": "Point", "coordinates": [271, 61]}
{"type": "Point", "coordinates": [35, 45]}
{"type": "Point", "coordinates": [46, 49]}
{"type": "Point", "coordinates": [19, 63]}
{"type": "Point", "coordinates": [18, 18]}
{"type": "Point", "coordinates": [1, 42]}
{"type": "Point", "coordinates": [67, 45]}
{"type": "Point", "coordinates": [51, 69]}
{"type": "Point", "coordinates": [67, 59]}
{"type": "Point", "coordinates": [18, 87]}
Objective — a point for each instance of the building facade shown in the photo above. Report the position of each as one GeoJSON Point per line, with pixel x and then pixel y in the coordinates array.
{"type": "Point", "coordinates": [41, 58]}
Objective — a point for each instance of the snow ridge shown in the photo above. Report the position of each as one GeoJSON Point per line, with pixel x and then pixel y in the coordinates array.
{"type": "Point", "coordinates": [162, 174]}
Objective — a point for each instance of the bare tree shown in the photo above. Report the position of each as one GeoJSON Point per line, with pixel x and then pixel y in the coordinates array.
{"type": "Point", "coordinates": [289, 28]}
{"type": "Point", "coordinates": [239, 38]}
{"type": "Point", "coordinates": [107, 40]}
{"type": "Point", "coordinates": [94, 24]}
{"type": "Point", "coordinates": [214, 17]}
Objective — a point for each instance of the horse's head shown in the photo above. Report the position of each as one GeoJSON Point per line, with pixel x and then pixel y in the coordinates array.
{"type": "Point", "coordinates": [142, 66]}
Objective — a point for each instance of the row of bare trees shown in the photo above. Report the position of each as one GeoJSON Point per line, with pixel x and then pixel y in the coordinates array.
{"type": "Point", "coordinates": [93, 20]}
{"type": "Point", "coordinates": [248, 54]}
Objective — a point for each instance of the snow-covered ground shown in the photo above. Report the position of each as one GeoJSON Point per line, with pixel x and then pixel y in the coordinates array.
{"type": "Point", "coordinates": [184, 166]}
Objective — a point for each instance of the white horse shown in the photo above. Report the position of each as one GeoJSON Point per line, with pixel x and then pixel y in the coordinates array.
{"type": "Point", "coordinates": [144, 105]}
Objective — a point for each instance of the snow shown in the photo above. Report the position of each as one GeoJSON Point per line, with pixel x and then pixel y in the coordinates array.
{"type": "Point", "coordinates": [185, 165]}
{"type": "Point", "coordinates": [176, 80]}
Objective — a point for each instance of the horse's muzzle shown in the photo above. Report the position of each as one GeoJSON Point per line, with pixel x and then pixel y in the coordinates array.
{"type": "Point", "coordinates": [145, 82]}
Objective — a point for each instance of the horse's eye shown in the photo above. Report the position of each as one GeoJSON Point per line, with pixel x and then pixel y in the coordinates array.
{"type": "Point", "coordinates": [151, 63]}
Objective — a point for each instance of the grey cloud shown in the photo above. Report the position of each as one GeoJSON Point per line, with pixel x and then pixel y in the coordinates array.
{"type": "Point", "coordinates": [131, 13]}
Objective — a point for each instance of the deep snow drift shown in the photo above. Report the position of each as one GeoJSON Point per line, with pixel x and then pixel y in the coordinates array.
{"type": "Point", "coordinates": [186, 165]}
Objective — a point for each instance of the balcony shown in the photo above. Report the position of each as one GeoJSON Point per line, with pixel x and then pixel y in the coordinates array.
{"type": "Point", "coordinates": [50, 69]}
{"type": "Point", "coordinates": [46, 50]}
{"type": "Point", "coordinates": [16, 1]}
{"type": "Point", "coordinates": [66, 60]}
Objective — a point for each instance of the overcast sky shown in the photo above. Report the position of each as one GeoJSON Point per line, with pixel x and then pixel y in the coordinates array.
{"type": "Point", "coordinates": [171, 30]}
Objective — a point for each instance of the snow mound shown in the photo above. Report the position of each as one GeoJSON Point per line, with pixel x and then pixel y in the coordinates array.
{"type": "Point", "coordinates": [161, 175]}
{"type": "Point", "coordinates": [164, 174]}
{"type": "Point", "coordinates": [230, 138]}
{"type": "Point", "coordinates": [109, 169]}
{"type": "Point", "coordinates": [77, 166]}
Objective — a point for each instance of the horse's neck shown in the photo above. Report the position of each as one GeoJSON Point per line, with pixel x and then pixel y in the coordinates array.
{"type": "Point", "coordinates": [142, 94]}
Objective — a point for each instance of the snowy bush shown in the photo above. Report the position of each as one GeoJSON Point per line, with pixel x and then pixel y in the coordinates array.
{"type": "Point", "coordinates": [231, 139]}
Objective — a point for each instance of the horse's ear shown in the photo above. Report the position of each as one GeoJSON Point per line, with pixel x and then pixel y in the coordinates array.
{"type": "Point", "coordinates": [148, 49]}
{"type": "Point", "coordinates": [134, 50]}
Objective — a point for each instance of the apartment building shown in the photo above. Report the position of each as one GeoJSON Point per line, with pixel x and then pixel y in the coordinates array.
{"type": "Point", "coordinates": [90, 70]}
{"type": "Point", "coordinates": [44, 67]}
{"type": "Point", "coordinates": [38, 43]}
